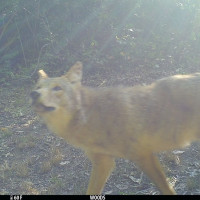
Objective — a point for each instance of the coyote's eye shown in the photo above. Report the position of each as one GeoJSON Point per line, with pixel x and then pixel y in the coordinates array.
{"type": "Point", "coordinates": [57, 88]}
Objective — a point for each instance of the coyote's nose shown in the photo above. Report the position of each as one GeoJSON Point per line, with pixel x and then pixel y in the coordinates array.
{"type": "Point", "coordinates": [34, 95]}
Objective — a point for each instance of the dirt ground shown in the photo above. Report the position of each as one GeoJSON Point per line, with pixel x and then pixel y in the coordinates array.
{"type": "Point", "coordinates": [35, 161]}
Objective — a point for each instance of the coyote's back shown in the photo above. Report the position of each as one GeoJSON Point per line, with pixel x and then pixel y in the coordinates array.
{"type": "Point", "coordinates": [132, 123]}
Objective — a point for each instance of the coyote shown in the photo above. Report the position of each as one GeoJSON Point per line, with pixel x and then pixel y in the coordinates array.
{"type": "Point", "coordinates": [133, 123]}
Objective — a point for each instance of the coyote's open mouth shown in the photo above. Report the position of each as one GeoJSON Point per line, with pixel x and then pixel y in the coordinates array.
{"type": "Point", "coordinates": [39, 107]}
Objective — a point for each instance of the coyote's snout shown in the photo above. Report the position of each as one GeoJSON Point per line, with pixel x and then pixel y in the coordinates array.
{"type": "Point", "coordinates": [127, 122]}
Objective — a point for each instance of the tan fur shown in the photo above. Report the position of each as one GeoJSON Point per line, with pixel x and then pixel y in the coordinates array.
{"type": "Point", "coordinates": [127, 122]}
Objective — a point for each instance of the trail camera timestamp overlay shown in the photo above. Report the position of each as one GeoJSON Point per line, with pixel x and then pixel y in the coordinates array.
{"type": "Point", "coordinates": [15, 197]}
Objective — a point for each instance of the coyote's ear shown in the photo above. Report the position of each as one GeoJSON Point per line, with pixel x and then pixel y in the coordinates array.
{"type": "Point", "coordinates": [74, 74]}
{"type": "Point", "coordinates": [42, 74]}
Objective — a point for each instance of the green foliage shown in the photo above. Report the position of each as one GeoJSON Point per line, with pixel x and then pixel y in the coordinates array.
{"type": "Point", "coordinates": [132, 32]}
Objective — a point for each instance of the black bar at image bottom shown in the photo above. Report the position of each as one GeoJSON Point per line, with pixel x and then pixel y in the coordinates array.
{"type": "Point", "coordinates": [71, 197]}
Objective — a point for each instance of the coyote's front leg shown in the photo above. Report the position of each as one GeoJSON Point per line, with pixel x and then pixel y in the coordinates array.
{"type": "Point", "coordinates": [102, 166]}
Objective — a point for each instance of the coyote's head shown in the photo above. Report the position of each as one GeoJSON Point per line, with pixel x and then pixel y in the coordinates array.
{"type": "Point", "coordinates": [53, 94]}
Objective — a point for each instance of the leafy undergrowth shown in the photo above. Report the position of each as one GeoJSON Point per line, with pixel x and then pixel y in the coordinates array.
{"type": "Point", "coordinates": [34, 161]}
